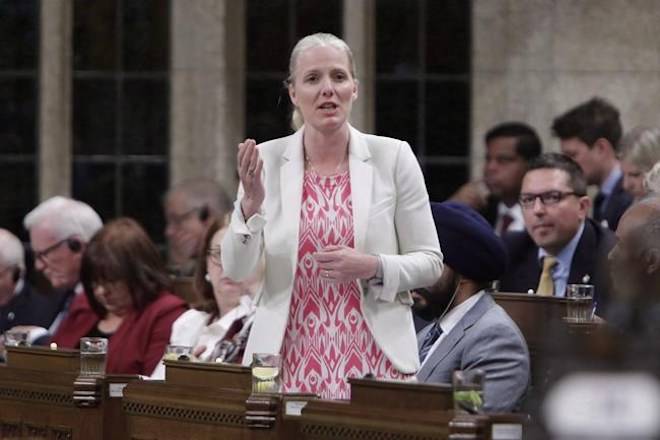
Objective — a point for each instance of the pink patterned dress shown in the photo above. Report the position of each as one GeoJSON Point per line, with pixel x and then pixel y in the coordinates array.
{"type": "Point", "coordinates": [327, 339]}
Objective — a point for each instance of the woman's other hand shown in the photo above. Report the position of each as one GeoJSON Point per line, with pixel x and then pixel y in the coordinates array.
{"type": "Point", "coordinates": [249, 166]}
{"type": "Point", "coordinates": [342, 263]}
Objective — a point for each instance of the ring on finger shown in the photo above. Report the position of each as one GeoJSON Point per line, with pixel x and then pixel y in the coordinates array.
{"type": "Point", "coordinates": [250, 173]}
{"type": "Point", "coordinates": [326, 274]}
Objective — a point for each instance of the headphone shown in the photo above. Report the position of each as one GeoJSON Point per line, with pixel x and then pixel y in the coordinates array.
{"type": "Point", "coordinates": [74, 245]}
{"type": "Point", "coordinates": [204, 213]}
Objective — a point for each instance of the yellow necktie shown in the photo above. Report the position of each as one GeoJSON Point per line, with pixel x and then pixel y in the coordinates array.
{"type": "Point", "coordinates": [546, 284]}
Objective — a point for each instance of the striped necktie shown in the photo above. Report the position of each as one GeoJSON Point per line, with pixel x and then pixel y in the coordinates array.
{"type": "Point", "coordinates": [434, 333]}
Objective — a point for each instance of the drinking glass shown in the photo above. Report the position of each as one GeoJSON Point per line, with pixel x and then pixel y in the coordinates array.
{"type": "Point", "coordinates": [93, 354]}
{"type": "Point", "coordinates": [16, 338]}
{"type": "Point", "coordinates": [580, 303]}
{"type": "Point", "coordinates": [266, 369]}
{"type": "Point", "coordinates": [178, 353]}
{"type": "Point", "coordinates": [468, 391]}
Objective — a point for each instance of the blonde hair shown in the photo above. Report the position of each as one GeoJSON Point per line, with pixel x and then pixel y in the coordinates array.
{"type": "Point", "coordinates": [319, 39]}
{"type": "Point", "coordinates": [641, 147]}
{"type": "Point", "coordinates": [652, 180]}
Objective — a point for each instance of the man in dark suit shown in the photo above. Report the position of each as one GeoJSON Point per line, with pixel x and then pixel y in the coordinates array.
{"type": "Point", "coordinates": [19, 304]}
{"type": "Point", "coordinates": [510, 147]}
{"type": "Point", "coordinates": [590, 134]}
{"type": "Point", "coordinates": [561, 245]}
{"type": "Point", "coordinates": [469, 331]}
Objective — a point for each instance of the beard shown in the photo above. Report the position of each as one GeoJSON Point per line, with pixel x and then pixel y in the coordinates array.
{"type": "Point", "coordinates": [430, 303]}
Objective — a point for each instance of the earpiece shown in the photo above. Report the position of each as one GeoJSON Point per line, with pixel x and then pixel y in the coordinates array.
{"type": "Point", "coordinates": [204, 213]}
{"type": "Point", "coordinates": [17, 274]}
{"type": "Point", "coordinates": [74, 244]}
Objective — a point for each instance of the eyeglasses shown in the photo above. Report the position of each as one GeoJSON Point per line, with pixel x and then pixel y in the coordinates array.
{"type": "Point", "coordinates": [215, 254]}
{"type": "Point", "coordinates": [547, 198]}
{"type": "Point", "coordinates": [177, 219]}
{"type": "Point", "coordinates": [43, 255]}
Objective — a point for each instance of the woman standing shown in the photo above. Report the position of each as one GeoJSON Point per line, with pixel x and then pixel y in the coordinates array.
{"type": "Point", "coordinates": [344, 221]}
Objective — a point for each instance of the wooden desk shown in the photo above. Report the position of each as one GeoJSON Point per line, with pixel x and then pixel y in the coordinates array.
{"type": "Point", "coordinates": [536, 316]}
{"type": "Point", "coordinates": [39, 398]}
{"type": "Point", "coordinates": [200, 401]}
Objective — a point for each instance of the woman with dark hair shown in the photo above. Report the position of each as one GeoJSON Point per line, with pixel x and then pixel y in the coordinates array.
{"type": "Point", "coordinates": [226, 309]}
{"type": "Point", "coordinates": [128, 290]}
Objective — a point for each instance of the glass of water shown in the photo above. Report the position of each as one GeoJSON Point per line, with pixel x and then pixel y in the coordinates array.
{"type": "Point", "coordinates": [266, 370]}
{"type": "Point", "coordinates": [580, 303]}
{"type": "Point", "coordinates": [93, 355]}
{"type": "Point", "coordinates": [468, 391]}
{"type": "Point", "coordinates": [178, 353]}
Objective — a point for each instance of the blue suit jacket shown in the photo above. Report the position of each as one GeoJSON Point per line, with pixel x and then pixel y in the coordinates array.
{"type": "Point", "coordinates": [30, 308]}
{"type": "Point", "coordinates": [590, 258]}
{"type": "Point", "coordinates": [487, 339]}
{"type": "Point", "coordinates": [617, 203]}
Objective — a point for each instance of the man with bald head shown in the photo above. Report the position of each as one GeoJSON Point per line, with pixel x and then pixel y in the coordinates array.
{"type": "Point", "coordinates": [635, 266]}
{"type": "Point", "coordinates": [190, 207]}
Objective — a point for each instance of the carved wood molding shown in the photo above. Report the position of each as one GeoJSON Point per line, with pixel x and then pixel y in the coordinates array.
{"type": "Point", "coordinates": [10, 430]}
{"type": "Point", "coordinates": [88, 391]}
{"type": "Point", "coordinates": [184, 414]}
{"type": "Point", "coordinates": [261, 410]}
{"type": "Point", "coordinates": [467, 428]}
{"type": "Point", "coordinates": [49, 397]}
{"type": "Point", "coordinates": [345, 432]}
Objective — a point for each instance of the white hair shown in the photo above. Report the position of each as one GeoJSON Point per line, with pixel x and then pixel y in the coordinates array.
{"type": "Point", "coordinates": [65, 217]}
{"type": "Point", "coordinates": [652, 180]}
{"type": "Point", "coordinates": [319, 39]}
{"type": "Point", "coordinates": [12, 253]}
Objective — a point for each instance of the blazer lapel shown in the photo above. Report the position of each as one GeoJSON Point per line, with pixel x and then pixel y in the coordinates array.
{"type": "Point", "coordinates": [583, 262]}
{"type": "Point", "coordinates": [291, 186]}
{"type": "Point", "coordinates": [450, 342]}
{"type": "Point", "coordinates": [361, 185]}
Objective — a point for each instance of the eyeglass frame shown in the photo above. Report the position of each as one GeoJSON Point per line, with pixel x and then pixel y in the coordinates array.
{"type": "Point", "coordinates": [547, 198]}
{"type": "Point", "coordinates": [43, 254]}
{"type": "Point", "coordinates": [215, 253]}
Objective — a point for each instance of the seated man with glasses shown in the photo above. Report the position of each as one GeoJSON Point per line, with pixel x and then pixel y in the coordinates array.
{"type": "Point", "coordinates": [561, 244]}
{"type": "Point", "coordinates": [59, 231]}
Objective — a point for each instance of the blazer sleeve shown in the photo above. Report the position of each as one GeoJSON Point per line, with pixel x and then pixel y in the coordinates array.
{"type": "Point", "coordinates": [242, 245]}
{"type": "Point", "coordinates": [419, 262]}
{"type": "Point", "coordinates": [160, 333]}
{"type": "Point", "coordinates": [501, 354]}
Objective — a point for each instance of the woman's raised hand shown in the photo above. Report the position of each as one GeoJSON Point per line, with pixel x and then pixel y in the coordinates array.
{"type": "Point", "coordinates": [249, 166]}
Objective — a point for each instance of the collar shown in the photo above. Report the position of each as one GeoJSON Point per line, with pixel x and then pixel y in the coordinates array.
{"type": "Point", "coordinates": [243, 309]}
{"type": "Point", "coordinates": [518, 223]}
{"type": "Point", "coordinates": [565, 256]}
{"type": "Point", "coordinates": [356, 145]}
{"type": "Point", "coordinates": [610, 182]}
{"type": "Point", "coordinates": [19, 286]}
{"type": "Point", "coordinates": [449, 321]}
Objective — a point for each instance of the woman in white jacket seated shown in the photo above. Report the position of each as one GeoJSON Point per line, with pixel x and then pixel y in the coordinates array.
{"type": "Point", "coordinates": [227, 308]}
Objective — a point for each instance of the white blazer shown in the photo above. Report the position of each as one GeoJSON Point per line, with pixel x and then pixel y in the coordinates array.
{"type": "Point", "coordinates": [391, 218]}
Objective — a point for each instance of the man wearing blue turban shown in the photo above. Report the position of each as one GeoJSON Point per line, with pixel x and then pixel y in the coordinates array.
{"type": "Point", "coordinates": [469, 331]}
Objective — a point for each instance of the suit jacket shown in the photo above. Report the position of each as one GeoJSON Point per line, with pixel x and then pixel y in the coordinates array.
{"type": "Point", "coordinates": [29, 307]}
{"type": "Point", "coordinates": [391, 218]}
{"type": "Point", "coordinates": [590, 258]}
{"type": "Point", "coordinates": [138, 344]}
{"type": "Point", "coordinates": [616, 205]}
{"type": "Point", "coordinates": [487, 339]}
